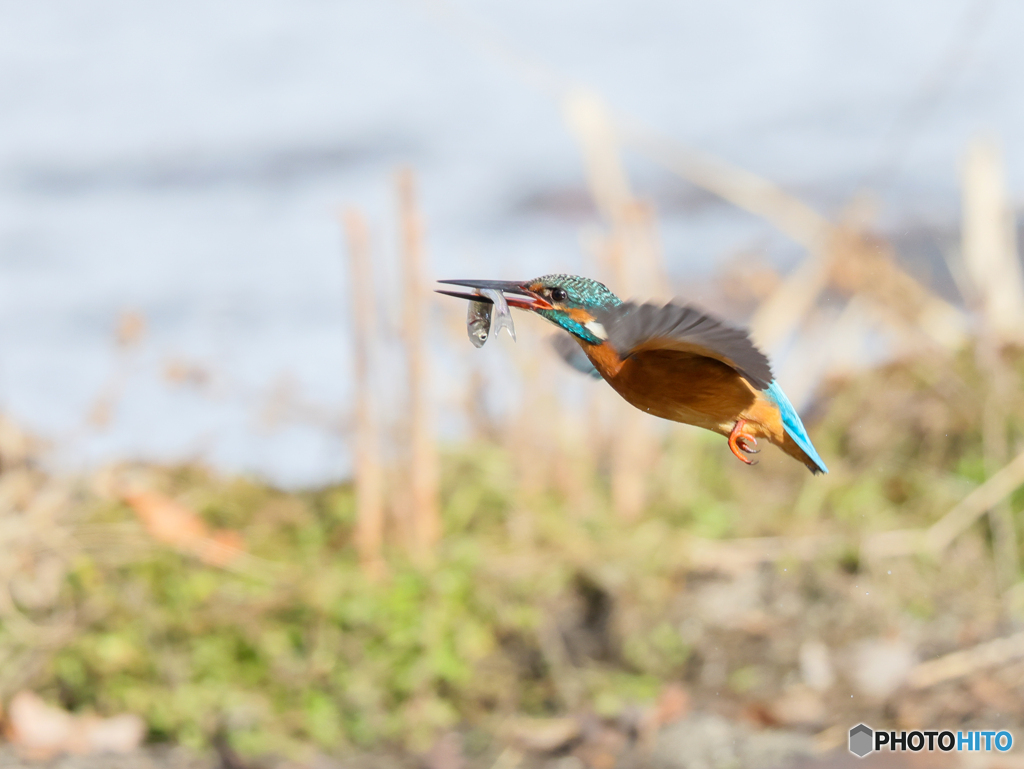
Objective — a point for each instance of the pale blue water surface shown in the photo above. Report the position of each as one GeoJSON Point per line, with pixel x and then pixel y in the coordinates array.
{"type": "Point", "coordinates": [187, 160]}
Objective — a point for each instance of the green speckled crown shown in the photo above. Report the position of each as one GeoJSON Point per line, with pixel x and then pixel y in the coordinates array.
{"type": "Point", "coordinates": [584, 292]}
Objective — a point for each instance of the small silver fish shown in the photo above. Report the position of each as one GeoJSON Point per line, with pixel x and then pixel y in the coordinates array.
{"type": "Point", "coordinates": [502, 313]}
{"type": "Point", "coordinates": [480, 318]}
{"type": "Point", "coordinates": [478, 322]}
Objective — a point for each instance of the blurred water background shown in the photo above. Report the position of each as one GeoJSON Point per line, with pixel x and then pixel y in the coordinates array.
{"type": "Point", "coordinates": [186, 161]}
{"type": "Point", "coordinates": [262, 503]}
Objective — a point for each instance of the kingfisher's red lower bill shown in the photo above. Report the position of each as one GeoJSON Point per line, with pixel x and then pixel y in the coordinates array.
{"type": "Point", "coordinates": [673, 361]}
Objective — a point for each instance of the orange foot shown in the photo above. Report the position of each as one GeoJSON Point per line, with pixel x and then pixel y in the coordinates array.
{"type": "Point", "coordinates": [739, 442]}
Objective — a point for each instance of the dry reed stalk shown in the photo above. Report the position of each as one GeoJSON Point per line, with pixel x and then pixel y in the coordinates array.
{"type": "Point", "coordinates": [864, 265]}
{"type": "Point", "coordinates": [809, 359]}
{"type": "Point", "coordinates": [782, 312]}
{"type": "Point", "coordinates": [632, 261]}
{"type": "Point", "coordinates": [785, 308]}
{"type": "Point", "coordinates": [989, 244]}
{"type": "Point", "coordinates": [632, 444]}
{"type": "Point", "coordinates": [634, 251]}
{"type": "Point", "coordinates": [742, 188]}
{"type": "Point", "coordinates": [996, 288]}
{"type": "Point", "coordinates": [860, 266]}
{"type": "Point", "coordinates": [829, 248]}
{"type": "Point", "coordinates": [847, 351]}
{"type": "Point", "coordinates": [368, 470]}
{"type": "Point", "coordinates": [965, 662]}
{"type": "Point", "coordinates": [423, 469]}
{"type": "Point", "coordinates": [632, 450]}
{"type": "Point", "coordinates": [940, 535]}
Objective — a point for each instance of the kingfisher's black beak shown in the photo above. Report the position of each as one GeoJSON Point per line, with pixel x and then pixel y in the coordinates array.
{"type": "Point", "coordinates": [517, 294]}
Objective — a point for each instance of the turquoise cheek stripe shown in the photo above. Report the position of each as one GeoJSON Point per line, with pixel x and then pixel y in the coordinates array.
{"type": "Point", "coordinates": [560, 318]}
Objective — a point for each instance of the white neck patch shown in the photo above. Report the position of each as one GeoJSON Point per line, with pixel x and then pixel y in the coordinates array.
{"type": "Point", "coordinates": [596, 329]}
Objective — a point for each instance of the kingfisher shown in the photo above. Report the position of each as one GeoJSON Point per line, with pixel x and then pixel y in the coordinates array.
{"type": "Point", "coordinates": [673, 361]}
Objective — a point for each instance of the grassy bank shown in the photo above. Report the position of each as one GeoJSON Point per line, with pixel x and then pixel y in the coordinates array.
{"type": "Point", "coordinates": [540, 600]}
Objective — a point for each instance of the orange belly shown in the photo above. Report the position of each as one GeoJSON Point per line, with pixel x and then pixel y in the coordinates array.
{"type": "Point", "coordinates": [688, 388]}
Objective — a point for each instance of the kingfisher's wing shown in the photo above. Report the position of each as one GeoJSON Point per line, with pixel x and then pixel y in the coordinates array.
{"type": "Point", "coordinates": [570, 352]}
{"type": "Point", "coordinates": [637, 328]}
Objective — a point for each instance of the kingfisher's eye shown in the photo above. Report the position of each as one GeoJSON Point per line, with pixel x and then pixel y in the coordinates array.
{"type": "Point", "coordinates": [559, 294]}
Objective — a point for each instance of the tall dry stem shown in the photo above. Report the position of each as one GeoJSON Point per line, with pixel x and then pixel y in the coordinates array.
{"type": "Point", "coordinates": [879, 278]}
{"type": "Point", "coordinates": [631, 257]}
{"type": "Point", "coordinates": [992, 265]}
{"type": "Point", "coordinates": [989, 244]}
{"type": "Point", "coordinates": [368, 470]}
{"type": "Point", "coordinates": [423, 461]}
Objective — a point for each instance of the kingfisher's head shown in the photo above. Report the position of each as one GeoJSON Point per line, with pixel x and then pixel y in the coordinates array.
{"type": "Point", "coordinates": [568, 301]}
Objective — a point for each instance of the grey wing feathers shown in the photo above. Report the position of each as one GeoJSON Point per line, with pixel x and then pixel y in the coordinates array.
{"type": "Point", "coordinates": [632, 328]}
{"type": "Point", "coordinates": [573, 354]}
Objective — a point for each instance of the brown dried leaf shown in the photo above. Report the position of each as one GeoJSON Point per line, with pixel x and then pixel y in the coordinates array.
{"type": "Point", "coordinates": [165, 519]}
{"type": "Point", "coordinates": [172, 523]}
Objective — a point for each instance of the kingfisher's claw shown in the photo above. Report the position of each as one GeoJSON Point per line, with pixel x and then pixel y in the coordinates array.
{"type": "Point", "coordinates": [738, 442]}
{"type": "Point", "coordinates": [747, 444]}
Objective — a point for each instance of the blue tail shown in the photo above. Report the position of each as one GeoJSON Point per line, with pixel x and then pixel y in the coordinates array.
{"type": "Point", "coordinates": [794, 427]}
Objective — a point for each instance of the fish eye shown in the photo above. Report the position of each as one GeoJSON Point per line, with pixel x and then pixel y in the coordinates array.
{"type": "Point", "coordinates": [559, 294]}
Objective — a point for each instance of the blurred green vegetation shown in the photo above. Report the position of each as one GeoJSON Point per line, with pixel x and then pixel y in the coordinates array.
{"type": "Point", "coordinates": [312, 652]}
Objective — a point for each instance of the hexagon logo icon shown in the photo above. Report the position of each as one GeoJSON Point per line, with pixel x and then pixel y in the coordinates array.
{"type": "Point", "coordinates": [861, 740]}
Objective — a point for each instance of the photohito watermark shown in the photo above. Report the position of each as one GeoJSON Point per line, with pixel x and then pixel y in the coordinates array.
{"type": "Point", "coordinates": [865, 740]}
